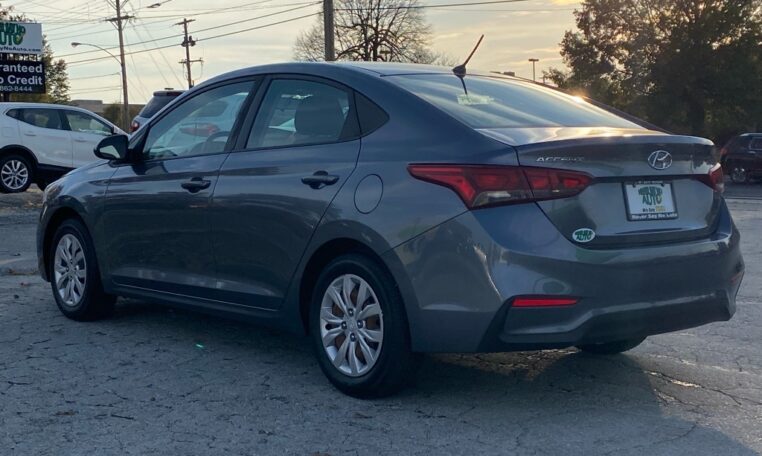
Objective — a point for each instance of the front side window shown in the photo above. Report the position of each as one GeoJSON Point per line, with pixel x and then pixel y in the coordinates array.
{"type": "Point", "coordinates": [85, 123]}
{"type": "Point", "coordinates": [43, 118]}
{"type": "Point", "coordinates": [297, 112]}
{"type": "Point", "coordinates": [487, 102]}
{"type": "Point", "coordinates": [199, 126]}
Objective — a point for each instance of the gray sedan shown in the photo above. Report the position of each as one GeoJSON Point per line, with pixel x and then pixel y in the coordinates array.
{"type": "Point", "coordinates": [389, 209]}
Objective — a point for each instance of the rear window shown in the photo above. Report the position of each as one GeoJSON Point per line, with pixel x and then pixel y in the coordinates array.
{"type": "Point", "coordinates": [485, 102]}
{"type": "Point", "coordinates": [155, 104]}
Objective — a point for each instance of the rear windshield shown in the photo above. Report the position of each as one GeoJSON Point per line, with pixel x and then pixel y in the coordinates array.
{"type": "Point", "coordinates": [155, 104]}
{"type": "Point", "coordinates": [485, 102]}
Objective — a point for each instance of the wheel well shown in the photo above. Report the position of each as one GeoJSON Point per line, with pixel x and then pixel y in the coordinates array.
{"type": "Point", "coordinates": [319, 260]}
{"type": "Point", "coordinates": [19, 150]}
{"type": "Point", "coordinates": [62, 214]}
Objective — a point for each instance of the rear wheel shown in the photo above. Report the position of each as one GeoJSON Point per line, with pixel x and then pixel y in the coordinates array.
{"type": "Point", "coordinates": [359, 329]}
{"type": "Point", "coordinates": [16, 174]}
{"type": "Point", "coordinates": [611, 348]}
{"type": "Point", "coordinates": [74, 276]}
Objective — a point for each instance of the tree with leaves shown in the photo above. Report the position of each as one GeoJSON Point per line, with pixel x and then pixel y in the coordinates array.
{"type": "Point", "coordinates": [691, 66]}
{"type": "Point", "coordinates": [56, 76]}
{"type": "Point", "coordinates": [373, 30]}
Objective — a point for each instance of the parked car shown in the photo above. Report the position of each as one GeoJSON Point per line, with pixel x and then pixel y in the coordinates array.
{"type": "Point", "coordinates": [389, 209]}
{"type": "Point", "coordinates": [742, 157]}
{"type": "Point", "coordinates": [160, 99]}
{"type": "Point", "coordinates": [41, 142]}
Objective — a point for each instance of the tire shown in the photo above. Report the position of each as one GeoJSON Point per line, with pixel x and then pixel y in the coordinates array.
{"type": "Point", "coordinates": [83, 301]}
{"type": "Point", "coordinates": [738, 174]}
{"type": "Point", "coordinates": [42, 185]}
{"type": "Point", "coordinates": [611, 348]}
{"type": "Point", "coordinates": [382, 365]}
{"type": "Point", "coordinates": [16, 173]}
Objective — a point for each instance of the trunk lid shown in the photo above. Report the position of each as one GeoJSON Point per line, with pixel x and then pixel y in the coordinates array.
{"type": "Point", "coordinates": [630, 201]}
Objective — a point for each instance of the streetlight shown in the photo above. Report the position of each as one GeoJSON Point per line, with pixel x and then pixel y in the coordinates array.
{"type": "Point", "coordinates": [158, 4]}
{"type": "Point", "coordinates": [125, 102]}
{"type": "Point", "coordinates": [533, 63]}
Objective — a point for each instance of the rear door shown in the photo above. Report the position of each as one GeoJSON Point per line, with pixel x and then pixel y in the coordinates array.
{"type": "Point", "coordinates": [300, 149]}
{"type": "Point", "coordinates": [43, 132]}
{"type": "Point", "coordinates": [86, 132]}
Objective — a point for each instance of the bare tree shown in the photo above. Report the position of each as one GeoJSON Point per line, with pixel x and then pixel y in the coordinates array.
{"type": "Point", "coordinates": [373, 30]}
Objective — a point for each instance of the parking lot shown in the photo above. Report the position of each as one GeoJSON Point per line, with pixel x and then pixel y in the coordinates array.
{"type": "Point", "coordinates": [158, 381]}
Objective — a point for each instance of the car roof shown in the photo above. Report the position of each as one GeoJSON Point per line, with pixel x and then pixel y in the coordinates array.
{"type": "Point", "coordinates": [367, 68]}
{"type": "Point", "coordinates": [750, 134]}
{"type": "Point", "coordinates": [23, 104]}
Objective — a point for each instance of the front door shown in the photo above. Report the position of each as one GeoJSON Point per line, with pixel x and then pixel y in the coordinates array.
{"type": "Point", "coordinates": [271, 195]}
{"type": "Point", "coordinates": [86, 133]}
{"type": "Point", "coordinates": [156, 213]}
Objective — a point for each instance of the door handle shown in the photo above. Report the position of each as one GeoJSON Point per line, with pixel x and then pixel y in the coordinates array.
{"type": "Point", "coordinates": [80, 139]}
{"type": "Point", "coordinates": [196, 184]}
{"type": "Point", "coordinates": [320, 179]}
{"type": "Point", "coordinates": [29, 133]}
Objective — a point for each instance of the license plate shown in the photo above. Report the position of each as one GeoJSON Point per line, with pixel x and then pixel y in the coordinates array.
{"type": "Point", "coordinates": [650, 200]}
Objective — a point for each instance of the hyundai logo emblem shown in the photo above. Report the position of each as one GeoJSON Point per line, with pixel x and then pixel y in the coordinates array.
{"type": "Point", "coordinates": [660, 159]}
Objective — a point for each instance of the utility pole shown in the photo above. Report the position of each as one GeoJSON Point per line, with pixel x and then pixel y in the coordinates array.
{"type": "Point", "coordinates": [118, 20]}
{"type": "Point", "coordinates": [533, 62]}
{"type": "Point", "coordinates": [328, 23]}
{"type": "Point", "coordinates": [188, 41]}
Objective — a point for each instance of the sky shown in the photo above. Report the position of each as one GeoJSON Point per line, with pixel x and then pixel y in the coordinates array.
{"type": "Point", "coordinates": [514, 32]}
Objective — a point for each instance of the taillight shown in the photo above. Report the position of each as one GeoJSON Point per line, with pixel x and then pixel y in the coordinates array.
{"type": "Point", "coordinates": [714, 179]}
{"type": "Point", "coordinates": [482, 186]}
{"type": "Point", "coordinates": [134, 126]}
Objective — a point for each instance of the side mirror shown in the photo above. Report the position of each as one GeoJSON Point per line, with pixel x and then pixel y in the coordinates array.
{"type": "Point", "coordinates": [112, 147]}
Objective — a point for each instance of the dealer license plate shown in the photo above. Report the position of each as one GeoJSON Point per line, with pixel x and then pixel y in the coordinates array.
{"type": "Point", "coordinates": [650, 200]}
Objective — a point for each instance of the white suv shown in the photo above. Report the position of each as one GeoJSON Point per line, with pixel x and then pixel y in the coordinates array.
{"type": "Point", "coordinates": [41, 142]}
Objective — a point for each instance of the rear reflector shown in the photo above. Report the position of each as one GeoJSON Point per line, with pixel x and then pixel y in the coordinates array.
{"type": "Point", "coordinates": [482, 186]}
{"type": "Point", "coordinates": [543, 302]}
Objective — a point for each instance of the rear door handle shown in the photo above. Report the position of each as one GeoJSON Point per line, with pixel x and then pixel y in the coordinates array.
{"type": "Point", "coordinates": [196, 184]}
{"type": "Point", "coordinates": [80, 139]}
{"type": "Point", "coordinates": [29, 133]}
{"type": "Point", "coordinates": [320, 179]}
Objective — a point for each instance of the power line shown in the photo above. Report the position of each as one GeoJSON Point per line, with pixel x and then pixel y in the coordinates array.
{"type": "Point", "coordinates": [197, 31]}
{"type": "Point", "coordinates": [436, 5]}
{"type": "Point", "coordinates": [201, 39]}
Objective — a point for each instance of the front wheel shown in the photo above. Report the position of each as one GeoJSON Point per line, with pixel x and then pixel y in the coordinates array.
{"type": "Point", "coordinates": [739, 174]}
{"type": "Point", "coordinates": [15, 174]}
{"type": "Point", "coordinates": [612, 348]}
{"type": "Point", "coordinates": [74, 276]}
{"type": "Point", "coordinates": [359, 329]}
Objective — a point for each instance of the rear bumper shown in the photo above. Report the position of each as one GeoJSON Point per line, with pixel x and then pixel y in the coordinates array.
{"type": "Point", "coordinates": [459, 280]}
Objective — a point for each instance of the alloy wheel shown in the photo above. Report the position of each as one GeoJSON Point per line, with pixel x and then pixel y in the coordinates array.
{"type": "Point", "coordinates": [70, 270]}
{"type": "Point", "coordinates": [14, 174]}
{"type": "Point", "coordinates": [351, 325]}
{"type": "Point", "coordinates": [738, 174]}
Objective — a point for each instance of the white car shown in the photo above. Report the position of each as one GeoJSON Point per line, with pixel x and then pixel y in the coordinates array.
{"type": "Point", "coordinates": [41, 142]}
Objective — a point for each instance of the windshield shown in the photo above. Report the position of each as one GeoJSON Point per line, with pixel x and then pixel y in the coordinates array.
{"type": "Point", "coordinates": [486, 102]}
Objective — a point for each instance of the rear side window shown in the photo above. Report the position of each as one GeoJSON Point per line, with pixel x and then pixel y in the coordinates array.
{"type": "Point", "coordinates": [297, 112]}
{"type": "Point", "coordinates": [756, 144]}
{"type": "Point", "coordinates": [370, 115]}
{"type": "Point", "coordinates": [155, 104]}
{"type": "Point", "coordinates": [43, 118]}
{"type": "Point", "coordinates": [485, 102]}
{"type": "Point", "coordinates": [14, 113]}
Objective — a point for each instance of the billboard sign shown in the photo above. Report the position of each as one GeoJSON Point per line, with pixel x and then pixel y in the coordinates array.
{"type": "Point", "coordinates": [18, 76]}
{"type": "Point", "coordinates": [20, 37]}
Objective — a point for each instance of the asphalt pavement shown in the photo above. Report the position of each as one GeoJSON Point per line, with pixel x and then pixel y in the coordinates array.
{"type": "Point", "coordinates": [157, 381]}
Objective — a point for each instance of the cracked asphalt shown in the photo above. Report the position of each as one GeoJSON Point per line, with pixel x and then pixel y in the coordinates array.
{"type": "Point", "coordinates": [157, 381]}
